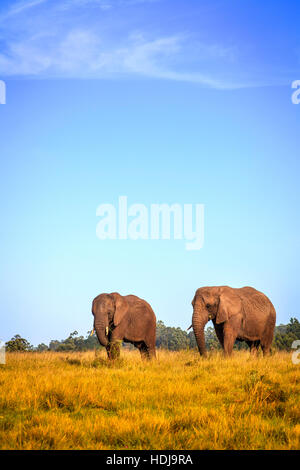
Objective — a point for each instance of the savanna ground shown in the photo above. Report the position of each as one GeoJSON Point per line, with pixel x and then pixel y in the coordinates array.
{"type": "Point", "coordinates": [56, 400]}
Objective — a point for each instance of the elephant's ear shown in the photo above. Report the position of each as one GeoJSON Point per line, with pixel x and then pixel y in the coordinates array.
{"type": "Point", "coordinates": [121, 308]}
{"type": "Point", "coordinates": [229, 305]}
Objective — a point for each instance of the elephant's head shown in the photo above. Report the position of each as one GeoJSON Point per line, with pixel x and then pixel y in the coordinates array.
{"type": "Point", "coordinates": [212, 303]}
{"type": "Point", "coordinates": [108, 311]}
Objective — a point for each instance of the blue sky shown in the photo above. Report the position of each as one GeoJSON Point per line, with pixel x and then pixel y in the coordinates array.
{"type": "Point", "coordinates": [163, 101]}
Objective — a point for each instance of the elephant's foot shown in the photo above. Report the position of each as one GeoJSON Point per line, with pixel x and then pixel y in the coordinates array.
{"type": "Point", "coordinates": [144, 354]}
{"type": "Point", "coordinates": [145, 351]}
{"type": "Point", "coordinates": [227, 351]}
{"type": "Point", "coordinates": [152, 354]}
{"type": "Point", "coordinates": [266, 351]}
{"type": "Point", "coordinates": [253, 345]}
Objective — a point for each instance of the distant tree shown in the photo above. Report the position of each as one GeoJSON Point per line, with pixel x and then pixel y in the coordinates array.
{"type": "Point", "coordinates": [91, 342]}
{"type": "Point", "coordinates": [294, 328]}
{"type": "Point", "coordinates": [240, 345]}
{"type": "Point", "coordinates": [17, 343]}
{"type": "Point", "coordinates": [167, 337]}
{"type": "Point", "coordinates": [211, 339]}
{"type": "Point", "coordinates": [286, 334]}
{"type": "Point", "coordinates": [75, 343]}
{"type": "Point", "coordinates": [54, 344]}
{"type": "Point", "coordinates": [171, 338]}
{"type": "Point", "coordinates": [42, 347]}
{"type": "Point", "coordinates": [192, 340]}
{"type": "Point", "coordinates": [69, 344]}
{"type": "Point", "coordinates": [161, 338]}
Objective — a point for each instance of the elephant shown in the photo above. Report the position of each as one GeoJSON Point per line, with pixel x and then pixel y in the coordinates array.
{"type": "Point", "coordinates": [242, 314]}
{"type": "Point", "coordinates": [126, 318]}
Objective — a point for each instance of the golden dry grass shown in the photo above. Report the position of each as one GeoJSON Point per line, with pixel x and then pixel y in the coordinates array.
{"type": "Point", "coordinates": [79, 401]}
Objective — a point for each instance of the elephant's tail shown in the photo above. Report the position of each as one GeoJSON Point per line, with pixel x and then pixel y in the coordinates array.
{"type": "Point", "coordinates": [189, 327]}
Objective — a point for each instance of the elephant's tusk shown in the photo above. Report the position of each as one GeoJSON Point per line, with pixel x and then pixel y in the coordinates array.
{"type": "Point", "coordinates": [106, 331]}
{"type": "Point", "coordinates": [92, 332]}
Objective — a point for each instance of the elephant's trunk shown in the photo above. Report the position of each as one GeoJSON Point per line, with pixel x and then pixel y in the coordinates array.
{"type": "Point", "coordinates": [200, 318]}
{"type": "Point", "coordinates": [101, 327]}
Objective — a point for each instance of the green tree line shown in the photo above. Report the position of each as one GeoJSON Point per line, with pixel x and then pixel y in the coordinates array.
{"type": "Point", "coordinates": [167, 337]}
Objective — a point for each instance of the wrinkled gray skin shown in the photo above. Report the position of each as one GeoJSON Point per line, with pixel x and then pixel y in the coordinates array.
{"type": "Point", "coordinates": [243, 314]}
{"type": "Point", "coordinates": [124, 318]}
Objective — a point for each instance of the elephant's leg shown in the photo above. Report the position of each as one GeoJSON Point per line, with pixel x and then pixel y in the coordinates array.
{"type": "Point", "coordinates": [230, 332]}
{"type": "Point", "coordinates": [256, 345]}
{"type": "Point", "coordinates": [150, 342]}
{"type": "Point", "coordinates": [143, 350]}
{"type": "Point", "coordinates": [220, 334]}
{"type": "Point", "coordinates": [266, 342]}
{"type": "Point", "coordinates": [229, 339]}
{"type": "Point", "coordinates": [144, 353]}
{"type": "Point", "coordinates": [266, 348]}
{"type": "Point", "coordinates": [253, 345]}
{"type": "Point", "coordinates": [149, 345]}
{"type": "Point", "coordinates": [152, 353]}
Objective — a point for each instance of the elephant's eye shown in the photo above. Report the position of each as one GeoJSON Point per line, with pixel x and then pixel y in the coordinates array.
{"type": "Point", "coordinates": [207, 305]}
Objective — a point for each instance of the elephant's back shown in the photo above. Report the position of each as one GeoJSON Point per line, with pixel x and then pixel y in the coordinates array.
{"type": "Point", "coordinates": [247, 290]}
{"type": "Point", "coordinates": [258, 299]}
{"type": "Point", "coordinates": [251, 291]}
{"type": "Point", "coordinates": [138, 303]}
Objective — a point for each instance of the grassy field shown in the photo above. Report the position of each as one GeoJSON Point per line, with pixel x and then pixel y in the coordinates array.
{"type": "Point", "coordinates": [80, 401]}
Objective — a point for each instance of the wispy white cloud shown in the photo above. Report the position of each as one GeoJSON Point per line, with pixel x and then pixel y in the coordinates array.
{"type": "Point", "coordinates": [150, 59]}
{"type": "Point", "coordinates": [69, 4]}
{"type": "Point", "coordinates": [85, 51]}
{"type": "Point", "coordinates": [21, 7]}
{"type": "Point", "coordinates": [102, 4]}
{"type": "Point", "coordinates": [81, 54]}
